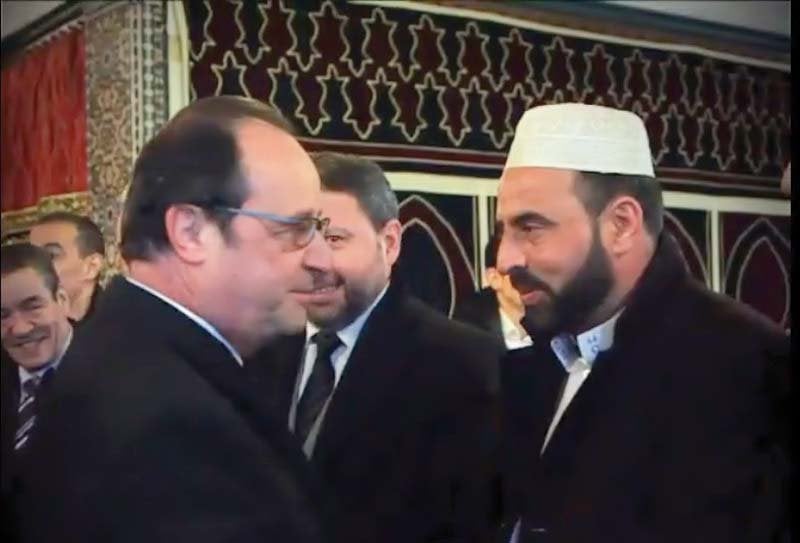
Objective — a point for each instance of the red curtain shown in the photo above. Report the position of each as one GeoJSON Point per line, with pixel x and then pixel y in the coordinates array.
{"type": "Point", "coordinates": [43, 129]}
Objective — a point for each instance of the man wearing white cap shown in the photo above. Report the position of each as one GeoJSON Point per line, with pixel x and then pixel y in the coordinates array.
{"type": "Point", "coordinates": [642, 412]}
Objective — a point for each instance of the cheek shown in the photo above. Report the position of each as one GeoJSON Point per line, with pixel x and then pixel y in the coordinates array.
{"type": "Point", "coordinates": [556, 259]}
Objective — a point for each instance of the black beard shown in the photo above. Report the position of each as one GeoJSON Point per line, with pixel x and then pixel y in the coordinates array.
{"type": "Point", "coordinates": [576, 302]}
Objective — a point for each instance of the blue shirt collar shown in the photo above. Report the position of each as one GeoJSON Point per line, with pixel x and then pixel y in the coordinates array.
{"type": "Point", "coordinates": [587, 345]}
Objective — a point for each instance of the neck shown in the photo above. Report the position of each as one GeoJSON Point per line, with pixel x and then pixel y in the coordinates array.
{"type": "Point", "coordinates": [79, 304]}
{"type": "Point", "coordinates": [168, 278]}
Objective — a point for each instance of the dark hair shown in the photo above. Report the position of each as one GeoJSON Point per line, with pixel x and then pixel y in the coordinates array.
{"type": "Point", "coordinates": [19, 256]}
{"type": "Point", "coordinates": [490, 251]}
{"type": "Point", "coordinates": [361, 178]}
{"type": "Point", "coordinates": [89, 240]}
{"type": "Point", "coordinates": [194, 159]}
{"type": "Point", "coordinates": [596, 190]}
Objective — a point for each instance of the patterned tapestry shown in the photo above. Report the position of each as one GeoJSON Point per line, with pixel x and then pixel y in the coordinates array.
{"type": "Point", "coordinates": [757, 257]}
{"type": "Point", "coordinates": [44, 166]}
{"type": "Point", "coordinates": [118, 74]}
{"type": "Point", "coordinates": [439, 251]}
{"type": "Point", "coordinates": [690, 228]}
{"type": "Point", "coordinates": [427, 92]}
{"type": "Point", "coordinates": [127, 101]}
{"type": "Point", "coordinates": [434, 92]}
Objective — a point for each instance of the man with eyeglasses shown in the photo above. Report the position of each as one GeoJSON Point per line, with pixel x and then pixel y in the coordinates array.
{"type": "Point", "coordinates": [153, 432]}
{"type": "Point", "coordinates": [393, 403]}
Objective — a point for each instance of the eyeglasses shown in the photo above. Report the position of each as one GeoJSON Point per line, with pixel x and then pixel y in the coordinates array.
{"type": "Point", "coordinates": [299, 231]}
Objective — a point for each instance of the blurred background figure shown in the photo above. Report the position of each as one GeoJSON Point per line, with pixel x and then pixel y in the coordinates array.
{"type": "Point", "coordinates": [786, 180]}
{"type": "Point", "coordinates": [78, 250]}
{"type": "Point", "coordinates": [496, 308]}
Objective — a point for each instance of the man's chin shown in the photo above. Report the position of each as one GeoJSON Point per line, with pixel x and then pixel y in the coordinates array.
{"type": "Point", "coordinates": [327, 318]}
{"type": "Point", "coordinates": [539, 323]}
{"type": "Point", "coordinates": [31, 363]}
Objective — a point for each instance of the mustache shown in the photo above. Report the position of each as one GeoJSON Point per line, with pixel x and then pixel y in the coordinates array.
{"type": "Point", "coordinates": [321, 279]}
{"type": "Point", "coordinates": [525, 281]}
{"type": "Point", "coordinates": [37, 334]}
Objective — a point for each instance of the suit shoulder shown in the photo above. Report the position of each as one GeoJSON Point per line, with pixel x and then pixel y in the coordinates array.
{"type": "Point", "coordinates": [436, 330]}
{"type": "Point", "coordinates": [718, 315]}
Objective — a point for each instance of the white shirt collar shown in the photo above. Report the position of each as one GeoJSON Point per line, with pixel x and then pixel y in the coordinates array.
{"type": "Point", "coordinates": [200, 321]}
{"type": "Point", "coordinates": [25, 375]}
{"type": "Point", "coordinates": [514, 338]}
{"type": "Point", "coordinates": [586, 346]}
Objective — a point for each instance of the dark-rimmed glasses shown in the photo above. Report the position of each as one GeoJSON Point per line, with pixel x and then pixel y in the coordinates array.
{"type": "Point", "coordinates": [298, 231]}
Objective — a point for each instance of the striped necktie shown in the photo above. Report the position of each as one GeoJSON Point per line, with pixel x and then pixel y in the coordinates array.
{"type": "Point", "coordinates": [26, 413]}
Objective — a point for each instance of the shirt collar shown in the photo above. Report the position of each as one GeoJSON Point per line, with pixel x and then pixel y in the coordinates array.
{"type": "Point", "coordinates": [585, 348]}
{"type": "Point", "coordinates": [200, 321]}
{"type": "Point", "coordinates": [349, 334]}
{"type": "Point", "coordinates": [25, 375]}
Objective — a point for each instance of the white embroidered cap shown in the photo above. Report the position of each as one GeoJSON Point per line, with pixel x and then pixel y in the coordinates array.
{"type": "Point", "coordinates": [582, 137]}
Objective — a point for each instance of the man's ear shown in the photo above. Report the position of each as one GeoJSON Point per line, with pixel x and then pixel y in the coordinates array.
{"type": "Point", "coordinates": [62, 299]}
{"type": "Point", "coordinates": [622, 223]}
{"type": "Point", "coordinates": [185, 225]}
{"type": "Point", "coordinates": [392, 234]}
{"type": "Point", "coordinates": [92, 265]}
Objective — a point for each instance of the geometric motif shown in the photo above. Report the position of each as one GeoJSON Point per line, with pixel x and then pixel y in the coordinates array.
{"type": "Point", "coordinates": [691, 231]}
{"type": "Point", "coordinates": [756, 253]}
{"type": "Point", "coordinates": [438, 247]}
{"type": "Point", "coordinates": [126, 99]}
{"type": "Point", "coordinates": [440, 93]}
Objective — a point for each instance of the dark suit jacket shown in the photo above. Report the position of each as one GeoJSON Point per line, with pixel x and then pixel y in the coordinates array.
{"type": "Point", "coordinates": [408, 442]}
{"type": "Point", "coordinates": [151, 432]}
{"type": "Point", "coordinates": [10, 462]}
{"type": "Point", "coordinates": [94, 303]}
{"type": "Point", "coordinates": [9, 400]}
{"type": "Point", "coordinates": [481, 310]}
{"type": "Point", "coordinates": [671, 436]}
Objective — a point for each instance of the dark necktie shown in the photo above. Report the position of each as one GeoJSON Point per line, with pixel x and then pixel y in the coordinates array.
{"type": "Point", "coordinates": [319, 385]}
{"type": "Point", "coordinates": [26, 413]}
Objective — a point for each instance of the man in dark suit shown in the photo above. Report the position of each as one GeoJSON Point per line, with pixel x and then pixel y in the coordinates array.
{"type": "Point", "coordinates": [35, 336]}
{"type": "Point", "coordinates": [642, 412]}
{"type": "Point", "coordinates": [78, 251]}
{"type": "Point", "coordinates": [393, 403]}
{"type": "Point", "coordinates": [151, 430]}
{"type": "Point", "coordinates": [497, 309]}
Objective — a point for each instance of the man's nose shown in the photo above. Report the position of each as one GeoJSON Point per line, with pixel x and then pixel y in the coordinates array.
{"type": "Point", "coordinates": [318, 254]}
{"type": "Point", "coordinates": [509, 256]}
{"type": "Point", "coordinates": [19, 325]}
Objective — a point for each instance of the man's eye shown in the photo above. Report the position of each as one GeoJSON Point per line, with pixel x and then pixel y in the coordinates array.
{"type": "Point", "coordinates": [333, 238]}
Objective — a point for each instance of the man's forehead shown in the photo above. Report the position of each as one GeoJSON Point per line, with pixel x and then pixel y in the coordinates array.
{"type": "Point", "coordinates": [21, 284]}
{"type": "Point", "coordinates": [535, 190]}
{"type": "Point", "coordinates": [53, 231]}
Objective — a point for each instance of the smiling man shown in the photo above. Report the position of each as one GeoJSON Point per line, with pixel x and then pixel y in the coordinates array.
{"type": "Point", "coordinates": [642, 412]}
{"type": "Point", "coordinates": [393, 403]}
{"type": "Point", "coordinates": [35, 335]}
